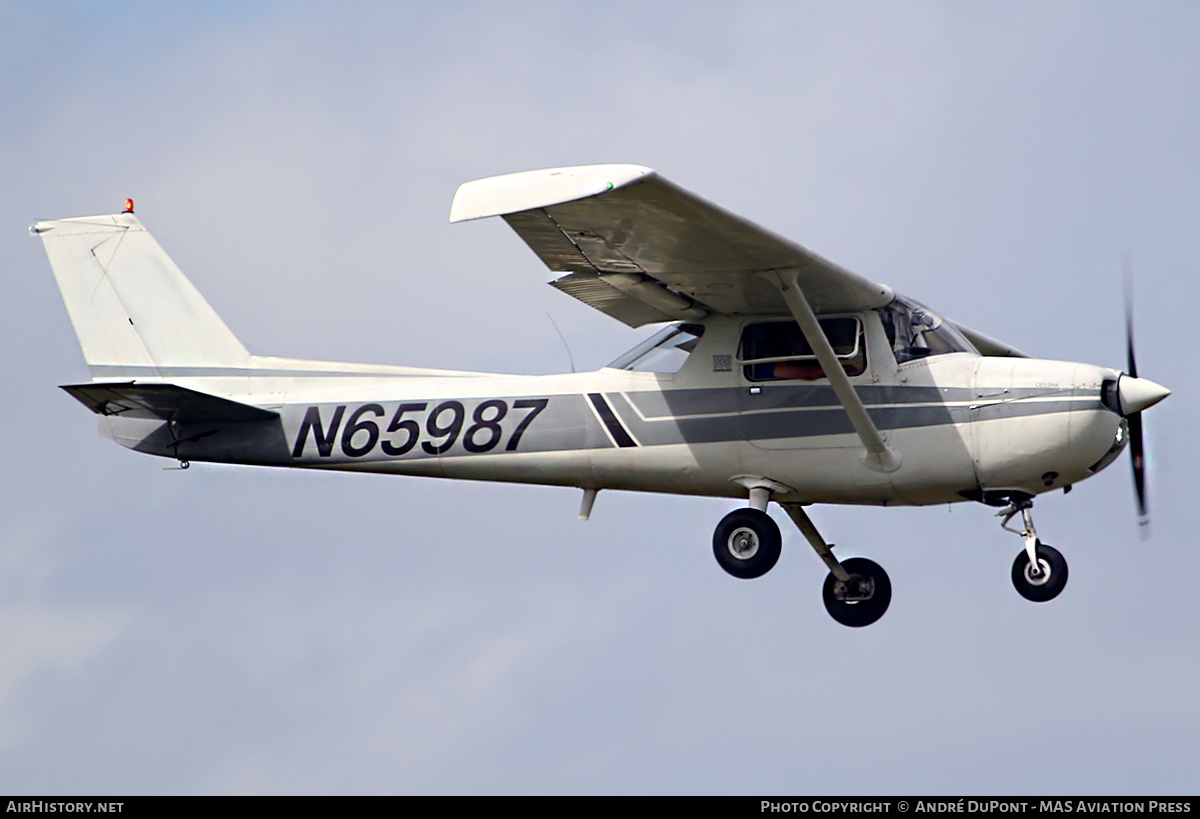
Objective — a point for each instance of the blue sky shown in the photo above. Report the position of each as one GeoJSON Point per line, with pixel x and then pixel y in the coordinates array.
{"type": "Point", "coordinates": [231, 630]}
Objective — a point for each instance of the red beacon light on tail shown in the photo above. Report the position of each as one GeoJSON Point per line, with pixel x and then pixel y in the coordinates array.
{"type": "Point", "coordinates": [129, 206]}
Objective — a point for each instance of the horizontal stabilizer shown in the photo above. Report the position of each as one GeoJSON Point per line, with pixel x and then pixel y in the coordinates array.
{"type": "Point", "coordinates": [165, 401]}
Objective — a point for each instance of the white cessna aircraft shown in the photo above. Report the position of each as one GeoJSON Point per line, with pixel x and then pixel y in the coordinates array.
{"type": "Point", "coordinates": [780, 377]}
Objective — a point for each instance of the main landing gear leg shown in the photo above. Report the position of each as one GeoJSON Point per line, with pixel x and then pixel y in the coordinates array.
{"type": "Point", "coordinates": [857, 591]}
{"type": "Point", "coordinates": [1039, 573]}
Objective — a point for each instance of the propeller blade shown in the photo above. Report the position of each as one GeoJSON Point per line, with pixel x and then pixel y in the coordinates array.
{"type": "Point", "coordinates": [1137, 451]}
{"type": "Point", "coordinates": [1137, 445]}
{"type": "Point", "coordinates": [1127, 275]}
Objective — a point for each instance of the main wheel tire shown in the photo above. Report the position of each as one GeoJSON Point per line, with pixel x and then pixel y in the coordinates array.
{"type": "Point", "coordinates": [1048, 583]}
{"type": "Point", "coordinates": [747, 543]}
{"type": "Point", "coordinates": [858, 613]}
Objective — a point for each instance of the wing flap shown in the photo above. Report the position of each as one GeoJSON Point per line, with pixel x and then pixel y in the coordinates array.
{"type": "Point", "coordinates": [594, 291]}
{"type": "Point", "coordinates": [598, 277]}
{"type": "Point", "coordinates": [166, 402]}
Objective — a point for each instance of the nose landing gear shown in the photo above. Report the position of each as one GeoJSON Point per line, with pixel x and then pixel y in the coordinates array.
{"type": "Point", "coordinates": [1040, 572]}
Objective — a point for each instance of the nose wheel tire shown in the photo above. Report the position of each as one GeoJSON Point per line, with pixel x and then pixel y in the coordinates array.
{"type": "Point", "coordinates": [862, 600]}
{"type": "Point", "coordinates": [747, 543]}
{"type": "Point", "coordinates": [1046, 581]}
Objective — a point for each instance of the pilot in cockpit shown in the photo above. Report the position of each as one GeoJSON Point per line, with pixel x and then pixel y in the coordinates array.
{"type": "Point", "coordinates": [794, 343]}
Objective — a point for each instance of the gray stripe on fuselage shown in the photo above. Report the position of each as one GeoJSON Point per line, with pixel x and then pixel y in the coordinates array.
{"type": "Point", "coordinates": [697, 423]}
{"type": "Point", "coordinates": [653, 404]}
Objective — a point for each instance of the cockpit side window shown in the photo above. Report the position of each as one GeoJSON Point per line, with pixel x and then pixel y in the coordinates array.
{"type": "Point", "coordinates": [915, 331]}
{"type": "Point", "coordinates": [664, 352]}
{"type": "Point", "coordinates": [778, 350]}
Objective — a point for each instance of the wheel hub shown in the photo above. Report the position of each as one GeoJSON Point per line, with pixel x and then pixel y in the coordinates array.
{"type": "Point", "coordinates": [856, 589]}
{"type": "Point", "coordinates": [743, 543]}
{"type": "Point", "coordinates": [1039, 575]}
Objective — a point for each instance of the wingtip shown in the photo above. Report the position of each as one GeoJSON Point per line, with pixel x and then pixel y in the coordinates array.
{"type": "Point", "coordinates": [526, 190]}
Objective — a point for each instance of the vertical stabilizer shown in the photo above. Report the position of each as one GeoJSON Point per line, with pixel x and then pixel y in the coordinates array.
{"type": "Point", "coordinates": [134, 311]}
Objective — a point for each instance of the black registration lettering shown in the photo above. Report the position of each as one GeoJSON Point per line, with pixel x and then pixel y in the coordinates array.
{"type": "Point", "coordinates": [410, 428]}
{"type": "Point", "coordinates": [355, 426]}
{"type": "Point", "coordinates": [442, 428]}
{"type": "Point", "coordinates": [324, 440]}
{"type": "Point", "coordinates": [436, 430]}
{"type": "Point", "coordinates": [489, 427]}
{"type": "Point", "coordinates": [535, 404]}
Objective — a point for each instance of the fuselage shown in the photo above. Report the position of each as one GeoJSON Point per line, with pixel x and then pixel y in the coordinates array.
{"type": "Point", "coordinates": [695, 421]}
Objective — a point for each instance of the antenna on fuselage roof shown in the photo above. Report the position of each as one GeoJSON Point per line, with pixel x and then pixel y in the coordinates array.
{"type": "Point", "coordinates": [570, 357]}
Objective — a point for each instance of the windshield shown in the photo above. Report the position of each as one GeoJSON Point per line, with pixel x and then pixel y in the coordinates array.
{"type": "Point", "coordinates": [663, 352]}
{"type": "Point", "coordinates": [915, 331]}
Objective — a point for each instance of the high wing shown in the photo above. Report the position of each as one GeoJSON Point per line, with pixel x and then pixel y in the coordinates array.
{"type": "Point", "coordinates": [988, 346]}
{"type": "Point", "coordinates": [643, 250]}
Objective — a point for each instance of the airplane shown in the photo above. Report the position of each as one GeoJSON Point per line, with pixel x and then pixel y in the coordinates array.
{"type": "Point", "coordinates": [778, 376]}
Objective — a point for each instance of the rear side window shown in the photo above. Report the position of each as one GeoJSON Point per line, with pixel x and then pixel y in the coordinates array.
{"type": "Point", "coordinates": [778, 350]}
{"type": "Point", "coordinates": [664, 352]}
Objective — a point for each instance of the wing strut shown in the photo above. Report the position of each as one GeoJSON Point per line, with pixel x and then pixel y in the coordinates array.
{"type": "Point", "coordinates": [880, 456]}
